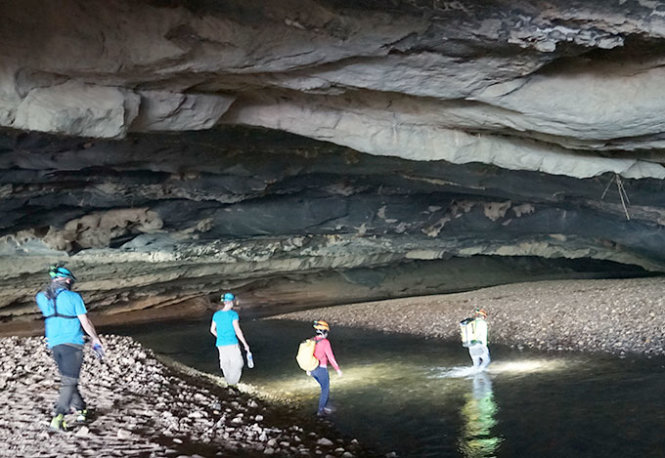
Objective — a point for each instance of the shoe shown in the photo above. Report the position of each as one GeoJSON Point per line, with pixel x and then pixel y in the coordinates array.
{"type": "Point", "coordinates": [58, 423]}
{"type": "Point", "coordinates": [81, 416]}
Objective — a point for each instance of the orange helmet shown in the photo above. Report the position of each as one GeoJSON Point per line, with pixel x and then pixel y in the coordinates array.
{"type": "Point", "coordinates": [481, 312]}
{"type": "Point", "coordinates": [321, 325]}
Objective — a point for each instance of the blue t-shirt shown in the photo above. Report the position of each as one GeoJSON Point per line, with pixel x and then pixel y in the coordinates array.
{"type": "Point", "coordinates": [62, 330]}
{"type": "Point", "coordinates": [226, 334]}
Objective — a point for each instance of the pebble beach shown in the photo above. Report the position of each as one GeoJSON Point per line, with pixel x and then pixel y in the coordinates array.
{"type": "Point", "coordinates": [620, 317]}
{"type": "Point", "coordinates": [142, 407]}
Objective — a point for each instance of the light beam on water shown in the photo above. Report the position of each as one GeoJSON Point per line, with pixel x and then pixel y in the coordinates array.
{"type": "Point", "coordinates": [420, 397]}
{"type": "Point", "coordinates": [383, 374]}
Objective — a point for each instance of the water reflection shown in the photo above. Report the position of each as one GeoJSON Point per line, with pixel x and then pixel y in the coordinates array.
{"type": "Point", "coordinates": [478, 413]}
{"type": "Point", "coordinates": [420, 398]}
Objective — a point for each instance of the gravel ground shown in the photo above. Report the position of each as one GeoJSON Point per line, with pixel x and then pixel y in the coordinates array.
{"type": "Point", "coordinates": [612, 316]}
{"type": "Point", "coordinates": [144, 408]}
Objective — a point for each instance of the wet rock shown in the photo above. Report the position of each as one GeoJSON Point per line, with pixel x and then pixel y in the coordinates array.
{"type": "Point", "coordinates": [149, 404]}
{"type": "Point", "coordinates": [123, 434]}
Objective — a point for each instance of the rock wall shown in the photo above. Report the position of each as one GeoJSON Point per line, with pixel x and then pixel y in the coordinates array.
{"type": "Point", "coordinates": [170, 149]}
{"type": "Point", "coordinates": [435, 81]}
{"type": "Point", "coordinates": [291, 223]}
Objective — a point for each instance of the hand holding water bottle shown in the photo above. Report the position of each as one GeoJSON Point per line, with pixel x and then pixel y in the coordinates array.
{"type": "Point", "coordinates": [250, 360]}
{"type": "Point", "coordinates": [98, 349]}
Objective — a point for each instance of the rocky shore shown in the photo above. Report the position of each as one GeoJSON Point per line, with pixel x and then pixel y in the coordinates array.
{"type": "Point", "coordinates": [142, 407]}
{"type": "Point", "coordinates": [146, 407]}
{"type": "Point", "coordinates": [612, 316]}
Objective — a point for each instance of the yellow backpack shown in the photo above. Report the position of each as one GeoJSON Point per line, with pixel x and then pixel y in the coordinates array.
{"type": "Point", "coordinates": [305, 357]}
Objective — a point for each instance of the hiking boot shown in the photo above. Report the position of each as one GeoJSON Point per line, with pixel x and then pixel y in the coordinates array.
{"type": "Point", "coordinates": [81, 416]}
{"type": "Point", "coordinates": [58, 423]}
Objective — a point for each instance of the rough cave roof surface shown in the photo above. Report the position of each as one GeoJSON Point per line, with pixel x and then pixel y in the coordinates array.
{"type": "Point", "coordinates": [313, 152]}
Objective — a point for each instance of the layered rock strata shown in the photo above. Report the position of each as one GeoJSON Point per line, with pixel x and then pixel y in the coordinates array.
{"type": "Point", "coordinates": [310, 152]}
{"type": "Point", "coordinates": [419, 80]}
{"type": "Point", "coordinates": [289, 225]}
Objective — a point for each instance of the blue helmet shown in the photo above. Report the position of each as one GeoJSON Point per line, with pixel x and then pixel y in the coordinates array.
{"type": "Point", "coordinates": [227, 297]}
{"type": "Point", "coordinates": [61, 272]}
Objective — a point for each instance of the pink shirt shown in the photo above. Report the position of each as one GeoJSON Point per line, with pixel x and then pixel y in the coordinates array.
{"type": "Point", "coordinates": [323, 352]}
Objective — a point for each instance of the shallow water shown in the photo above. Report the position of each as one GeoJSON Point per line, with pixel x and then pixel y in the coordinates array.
{"type": "Point", "coordinates": [419, 397]}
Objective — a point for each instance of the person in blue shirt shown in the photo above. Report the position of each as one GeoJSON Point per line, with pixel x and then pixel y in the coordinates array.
{"type": "Point", "coordinates": [226, 329]}
{"type": "Point", "coordinates": [65, 319]}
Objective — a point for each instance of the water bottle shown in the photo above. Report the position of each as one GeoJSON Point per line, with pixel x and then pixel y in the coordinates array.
{"type": "Point", "coordinates": [250, 360]}
{"type": "Point", "coordinates": [98, 350]}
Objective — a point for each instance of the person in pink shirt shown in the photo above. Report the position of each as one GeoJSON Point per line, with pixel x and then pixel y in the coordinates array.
{"type": "Point", "coordinates": [323, 352]}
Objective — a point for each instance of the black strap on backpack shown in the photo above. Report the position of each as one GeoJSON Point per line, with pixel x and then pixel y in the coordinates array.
{"type": "Point", "coordinates": [55, 309]}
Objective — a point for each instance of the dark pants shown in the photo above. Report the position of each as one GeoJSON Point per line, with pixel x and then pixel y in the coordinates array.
{"type": "Point", "coordinates": [69, 359]}
{"type": "Point", "coordinates": [320, 374]}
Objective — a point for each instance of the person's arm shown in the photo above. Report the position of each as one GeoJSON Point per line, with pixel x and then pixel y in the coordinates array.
{"type": "Point", "coordinates": [331, 358]}
{"type": "Point", "coordinates": [487, 334]}
{"type": "Point", "coordinates": [76, 301]}
{"type": "Point", "coordinates": [213, 328]}
{"type": "Point", "coordinates": [89, 328]}
{"type": "Point", "coordinates": [241, 336]}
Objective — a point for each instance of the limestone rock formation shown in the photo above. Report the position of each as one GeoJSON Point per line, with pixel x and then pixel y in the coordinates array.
{"type": "Point", "coordinates": [307, 152]}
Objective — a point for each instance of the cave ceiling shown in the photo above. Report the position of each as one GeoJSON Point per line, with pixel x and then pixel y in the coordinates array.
{"type": "Point", "coordinates": [326, 151]}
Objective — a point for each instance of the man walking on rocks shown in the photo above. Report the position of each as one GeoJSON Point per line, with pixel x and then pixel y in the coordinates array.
{"type": "Point", "coordinates": [65, 319]}
{"type": "Point", "coordinates": [226, 329]}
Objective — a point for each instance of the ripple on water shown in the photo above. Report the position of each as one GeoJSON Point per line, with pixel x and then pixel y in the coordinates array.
{"type": "Point", "coordinates": [421, 397]}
